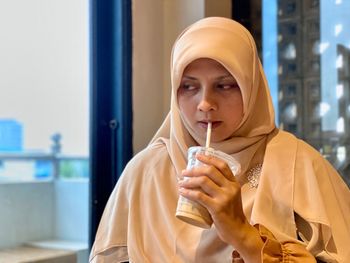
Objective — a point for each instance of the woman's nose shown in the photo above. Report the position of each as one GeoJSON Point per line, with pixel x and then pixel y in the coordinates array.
{"type": "Point", "coordinates": [206, 103]}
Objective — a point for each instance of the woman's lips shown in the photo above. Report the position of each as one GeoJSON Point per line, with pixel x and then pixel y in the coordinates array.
{"type": "Point", "coordinates": [214, 124]}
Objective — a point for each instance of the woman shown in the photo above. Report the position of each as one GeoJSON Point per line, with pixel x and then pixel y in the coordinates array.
{"type": "Point", "coordinates": [287, 204]}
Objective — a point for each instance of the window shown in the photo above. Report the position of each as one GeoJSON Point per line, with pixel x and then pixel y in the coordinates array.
{"type": "Point", "coordinates": [44, 123]}
{"type": "Point", "coordinates": [306, 52]}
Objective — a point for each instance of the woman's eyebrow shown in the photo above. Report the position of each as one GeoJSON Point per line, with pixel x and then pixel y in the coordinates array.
{"type": "Point", "coordinates": [189, 77]}
{"type": "Point", "coordinates": [218, 78]}
{"type": "Point", "coordinates": [226, 77]}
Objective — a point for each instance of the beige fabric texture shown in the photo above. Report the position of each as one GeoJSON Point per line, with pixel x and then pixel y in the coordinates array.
{"type": "Point", "coordinates": [299, 193]}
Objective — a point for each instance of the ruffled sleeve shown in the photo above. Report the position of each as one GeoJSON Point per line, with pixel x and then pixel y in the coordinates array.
{"type": "Point", "coordinates": [274, 251]}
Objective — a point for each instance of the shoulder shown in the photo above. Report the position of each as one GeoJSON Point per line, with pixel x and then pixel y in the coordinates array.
{"type": "Point", "coordinates": [151, 154]}
{"type": "Point", "coordinates": [308, 162]}
{"type": "Point", "coordinates": [285, 140]}
{"type": "Point", "coordinates": [154, 157]}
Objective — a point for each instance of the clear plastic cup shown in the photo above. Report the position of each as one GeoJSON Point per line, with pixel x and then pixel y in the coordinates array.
{"type": "Point", "coordinates": [193, 212]}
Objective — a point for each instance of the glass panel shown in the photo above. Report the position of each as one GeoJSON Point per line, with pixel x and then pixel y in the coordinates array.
{"type": "Point", "coordinates": [310, 82]}
{"type": "Point", "coordinates": [44, 120]}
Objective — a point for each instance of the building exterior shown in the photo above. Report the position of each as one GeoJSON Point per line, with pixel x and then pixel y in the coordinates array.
{"type": "Point", "coordinates": [343, 94]}
{"type": "Point", "coordinates": [11, 136]}
{"type": "Point", "coordinates": [301, 100]}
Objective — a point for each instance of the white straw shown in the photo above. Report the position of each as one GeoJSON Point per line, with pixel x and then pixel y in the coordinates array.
{"type": "Point", "coordinates": [207, 143]}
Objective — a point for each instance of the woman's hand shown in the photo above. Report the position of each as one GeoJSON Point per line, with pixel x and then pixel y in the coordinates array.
{"type": "Point", "coordinates": [214, 186]}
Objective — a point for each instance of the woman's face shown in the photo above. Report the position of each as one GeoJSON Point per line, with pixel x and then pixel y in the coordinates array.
{"type": "Point", "coordinates": [209, 93]}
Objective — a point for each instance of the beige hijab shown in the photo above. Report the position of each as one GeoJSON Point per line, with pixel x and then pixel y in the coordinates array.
{"type": "Point", "coordinates": [285, 166]}
{"type": "Point", "coordinates": [229, 43]}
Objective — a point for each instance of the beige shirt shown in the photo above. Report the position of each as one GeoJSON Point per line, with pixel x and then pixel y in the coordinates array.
{"type": "Point", "coordinates": [139, 222]}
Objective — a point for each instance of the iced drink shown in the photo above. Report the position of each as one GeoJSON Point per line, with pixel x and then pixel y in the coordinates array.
{"type": "Point", "coordinates": [190, 211]}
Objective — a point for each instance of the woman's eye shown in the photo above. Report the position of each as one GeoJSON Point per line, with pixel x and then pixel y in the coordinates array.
{"type": "Point", "coordinates": [187, 87]}
{"type": "Point", "coordinates": [227, 86]}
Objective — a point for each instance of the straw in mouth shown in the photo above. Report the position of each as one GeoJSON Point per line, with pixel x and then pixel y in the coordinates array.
{"type": "Point", "coordinates": [207, 142]}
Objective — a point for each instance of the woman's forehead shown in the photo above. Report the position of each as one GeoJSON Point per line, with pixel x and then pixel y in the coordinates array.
{"type": "Point", "coordinates": [207, 67]}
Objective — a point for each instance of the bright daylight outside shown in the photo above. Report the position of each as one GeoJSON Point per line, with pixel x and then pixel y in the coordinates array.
{"type": "Point", "coordinates": [44, 123]}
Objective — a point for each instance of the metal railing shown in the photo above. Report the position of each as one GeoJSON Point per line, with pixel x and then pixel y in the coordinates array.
{"type": "Point", "coordinates": [53, 158]}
